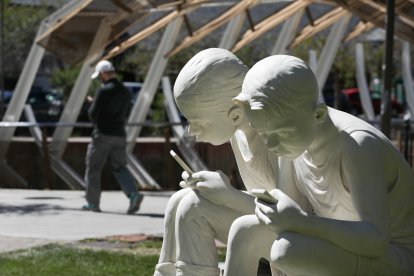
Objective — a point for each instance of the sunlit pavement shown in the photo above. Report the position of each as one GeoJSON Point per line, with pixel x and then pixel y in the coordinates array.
{"type": "Point", "coordinates": [36, 217]}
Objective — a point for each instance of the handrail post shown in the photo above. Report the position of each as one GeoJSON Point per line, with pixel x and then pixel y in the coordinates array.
{"type": "Point", "coordinates": [46, 159]}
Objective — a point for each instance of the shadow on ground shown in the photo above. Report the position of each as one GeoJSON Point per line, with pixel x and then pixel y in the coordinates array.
{"type": "Point", "coordinates": [29, 208]}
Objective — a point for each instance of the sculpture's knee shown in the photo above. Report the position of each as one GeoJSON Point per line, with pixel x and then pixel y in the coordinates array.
{"type": "Point", "coordinates": [285, 251]}
{"type": "Point", "coordinates": [172, 205]}
{"type": "Point", "coordinates": [176, 198]}
{"type": "Point", "coordinates": [188, 206]}
{"type": "Point", "coordinates": [243, 232]}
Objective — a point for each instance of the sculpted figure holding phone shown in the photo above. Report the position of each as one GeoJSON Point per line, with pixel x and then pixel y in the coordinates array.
{"type": "Point", "coordinates": [198, 215]}
{"type": "Point", "coordinates": [359, 185]}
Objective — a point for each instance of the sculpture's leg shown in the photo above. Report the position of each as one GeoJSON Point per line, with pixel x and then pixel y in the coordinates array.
{"type": "Point", "coordinates": [249, 240]}
{"type": "Point", "coordinates": [166, 262]}
{"type": "Point", "coordinates": [199, 222]}
{"type": "Point", "coordinates": [303, 255]}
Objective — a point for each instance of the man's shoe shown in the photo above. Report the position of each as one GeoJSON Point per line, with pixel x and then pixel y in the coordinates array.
{"type": "Point", "coordinates": [91, 207]}
{"type": "Point", "coordinates": [135, 202]}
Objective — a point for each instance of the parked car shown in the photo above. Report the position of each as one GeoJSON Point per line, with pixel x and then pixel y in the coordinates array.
{"type": "Point", "coordinates": [354, 99]}
{"type": "Point", "coordinates": [134, 88]}
{"type": "Point", "coordinates": [47, 105]}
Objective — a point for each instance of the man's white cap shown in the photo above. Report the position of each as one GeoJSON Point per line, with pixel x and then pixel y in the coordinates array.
{"type": "Point", "coordinates": [102, 66]}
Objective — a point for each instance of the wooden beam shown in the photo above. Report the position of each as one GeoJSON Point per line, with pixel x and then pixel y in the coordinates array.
{"type": "Point", "coordinates": [249, 19]}
{"type": "Point", "coordinates": [151, 29]}
{"type": "Point", "coordinates": [183, 8]}
{"type": "Point", "coordinates": [360, 28]}
{"type": "Point", "coordinates": [326, 2]}
{"type": "Point", "coordinates": [406, 20]}
{"type": "Point", "coordinates": [114, 19]}
{"type": "Point", "coordinates": [269, 23]}
{"type": "Point", "coordinates": [321, 23]}
{"type": "Point", "coordinates": [63, 20]}
{"type": "Point", "coordinates": [122, 5]}
{"type": "Point", "coordinates": [188, 25]}
{"type": "Point", "coordinates": [120, 32]}
{"type": "Point", "coordinates": [212, 25]}
{"type": "Point", "coordinates": [309, 16]}
{"type": "Point", "coordinates": [167, 5]}
{"type": "Point", "coordinates": [402, 25]}
{"type": "Point", "coordinates": [143, 34]}
{"type": "Point", "coordinates": [404, 13]}
{"type": "Point", "coordinates": [400, 7]}
{"type": "Point", "coordinates": [375, 5]}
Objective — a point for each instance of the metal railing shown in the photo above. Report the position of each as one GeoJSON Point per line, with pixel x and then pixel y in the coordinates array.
{"type": "Point", "coordinates": [161, 167]}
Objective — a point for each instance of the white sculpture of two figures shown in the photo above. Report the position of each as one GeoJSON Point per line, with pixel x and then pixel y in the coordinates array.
{"type": "Point", "coordinates": [345, 194]}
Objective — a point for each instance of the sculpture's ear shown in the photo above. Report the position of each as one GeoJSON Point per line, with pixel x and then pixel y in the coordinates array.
{"type": "Point", "coordinates": [321, 113]}
{"type": "Point", "coordinates": [236, 115]}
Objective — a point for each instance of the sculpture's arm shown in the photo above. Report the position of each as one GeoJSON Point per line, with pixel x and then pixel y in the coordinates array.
{"type": "Point", "coordinates": [216, 187]}
{"type": "Point", "coordinates": [369, 173]}
{"type": "Point", "coordinates": [366, 175]}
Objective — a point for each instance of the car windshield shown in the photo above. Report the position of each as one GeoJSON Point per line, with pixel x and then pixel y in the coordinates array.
{"type": "Point", "coordinates": [43, 97]}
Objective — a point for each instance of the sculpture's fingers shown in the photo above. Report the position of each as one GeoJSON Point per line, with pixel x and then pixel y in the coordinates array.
{"type": "Point", "coordinates": [201, 175]}
{"type": "Point", "coordinates": [262, 217]}
{"type": "Point", "coordinates": [185, 175]}
{"type": "Point", "coordinates": [183, 184]}
{"type": "Point", "coordinates": [264, 207]}
{"type": "Point", "coordinates": [189, 183]}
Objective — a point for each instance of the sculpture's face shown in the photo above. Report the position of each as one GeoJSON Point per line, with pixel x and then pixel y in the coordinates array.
{"type": "Point", "coordinates": [287, 136]}
{"type": "Point", "coordinates": [208, 125]}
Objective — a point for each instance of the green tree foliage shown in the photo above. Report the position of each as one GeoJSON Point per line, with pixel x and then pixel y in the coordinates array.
{"type": "Point", "coordinates": [20, 26]}
{"type": "Point", "coordinates": [65, 79]}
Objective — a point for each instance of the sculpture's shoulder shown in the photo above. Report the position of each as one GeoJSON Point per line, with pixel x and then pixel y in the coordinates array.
{"type": "Point", "coordinates": [360, 139]}
{"type": "Point", "coordinates": [352, 126]}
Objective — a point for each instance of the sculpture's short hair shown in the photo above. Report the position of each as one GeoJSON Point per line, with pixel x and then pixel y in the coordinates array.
{"type": "Point", "coordinates": [280, 83]}
{"type": "Point", "coordinates": [211, 79]}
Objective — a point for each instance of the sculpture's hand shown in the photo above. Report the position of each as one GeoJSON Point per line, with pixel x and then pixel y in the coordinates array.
{"type": "Point", "coordinates": [188, 181]}
{"type": "Point", "coordinates": [214, 186]}
{"type": "Point", "coordinates": [285, 215]}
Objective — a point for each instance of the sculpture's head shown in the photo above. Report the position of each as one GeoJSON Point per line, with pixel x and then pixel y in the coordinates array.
{"type": "Point", "coordinates": [204, 90]}
{"type": "Point", "coordinates": [280, 98]}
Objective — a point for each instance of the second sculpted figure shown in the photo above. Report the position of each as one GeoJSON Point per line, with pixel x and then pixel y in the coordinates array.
{"type": "Point", "coordinates": [359, 185]}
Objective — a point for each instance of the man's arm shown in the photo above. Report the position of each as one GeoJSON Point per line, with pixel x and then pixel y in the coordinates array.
{"type": "Point", "coordinates": [95, 107]}
{"type": "Point", "coordinates": [129, 105]}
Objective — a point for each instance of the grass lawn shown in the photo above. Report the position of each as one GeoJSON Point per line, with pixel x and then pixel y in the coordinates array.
{"type": "Point", "coordinates": [113, 258]}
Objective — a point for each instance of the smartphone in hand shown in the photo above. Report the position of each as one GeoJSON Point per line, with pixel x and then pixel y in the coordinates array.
{"type": "Point", "coordinates": [181, 162]}
{"type": "Point", "coordinates": [263, 195]}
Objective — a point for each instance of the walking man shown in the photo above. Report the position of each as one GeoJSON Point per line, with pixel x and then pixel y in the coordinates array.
{"type": "Point", "coordinates": [109, 112]}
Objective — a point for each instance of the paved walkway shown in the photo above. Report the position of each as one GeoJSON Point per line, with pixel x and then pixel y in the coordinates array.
{"type": "Point", "coordinates": [36, 217]}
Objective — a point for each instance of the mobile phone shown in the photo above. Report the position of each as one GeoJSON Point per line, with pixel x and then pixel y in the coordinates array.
{"type": "Point", "coordinates": [263, 195]}
{"type": "Point", "coordinates": [181, 162]}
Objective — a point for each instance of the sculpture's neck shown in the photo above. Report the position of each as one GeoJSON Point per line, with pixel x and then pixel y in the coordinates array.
{"type": "Point", "coordinates": [321, 148]}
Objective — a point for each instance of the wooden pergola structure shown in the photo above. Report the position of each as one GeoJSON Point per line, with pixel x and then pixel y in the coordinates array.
{"type": "Point", "coordinates": [85, 31]}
